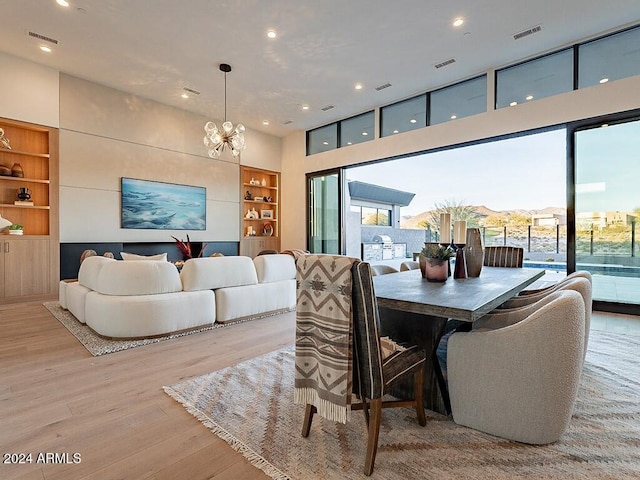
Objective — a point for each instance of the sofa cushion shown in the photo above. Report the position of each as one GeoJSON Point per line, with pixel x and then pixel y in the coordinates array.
{"type": "Point", "coordinates": [273, 268]}
{"type": "Point", "coordinates": [254, 301]}
{"type": "Point", "coordinates": [89, 269]}
{"type": "Point", "coordinates": [138, 278]}
{"type": "Point", "coordinates": [217, 272]}
{"type": "Point", "coordinates": [160, 257]}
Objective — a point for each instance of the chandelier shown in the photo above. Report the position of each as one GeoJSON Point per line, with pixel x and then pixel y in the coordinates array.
{"type": "Point", "coordinates": [216, 140]}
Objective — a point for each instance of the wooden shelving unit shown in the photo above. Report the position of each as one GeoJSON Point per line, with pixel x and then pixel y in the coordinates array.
{"type": "Point", "coordinates": [29, 263]}
{"type": "Point", "coordinates": [260, 211]}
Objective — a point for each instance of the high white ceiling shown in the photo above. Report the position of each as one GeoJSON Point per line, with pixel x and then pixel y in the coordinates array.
{"type": "Point", "coordinates": [154, 48]}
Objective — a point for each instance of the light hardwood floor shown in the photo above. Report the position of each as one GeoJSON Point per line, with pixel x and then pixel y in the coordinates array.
{"type": "Point", "coordinates": [55, 397]}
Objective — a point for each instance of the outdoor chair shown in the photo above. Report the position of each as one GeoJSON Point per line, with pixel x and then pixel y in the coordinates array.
{"type": "Point", "coordinates": [511, 257]}
{"type": "Point", "coordinates": [520, 381]}
{"type": "Point", "coordinates": [322, 348]}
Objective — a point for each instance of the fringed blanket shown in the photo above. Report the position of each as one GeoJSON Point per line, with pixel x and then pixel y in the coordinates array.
{"type": "Point", "coordinates": [323, 335]}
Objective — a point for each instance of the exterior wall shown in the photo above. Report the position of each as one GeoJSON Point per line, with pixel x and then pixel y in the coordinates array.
{"type": "Point", "coordinates": [611, 97]}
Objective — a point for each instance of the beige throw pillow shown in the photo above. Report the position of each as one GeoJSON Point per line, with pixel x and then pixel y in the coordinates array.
{"type": "Point", "coordinates": [160, 257]}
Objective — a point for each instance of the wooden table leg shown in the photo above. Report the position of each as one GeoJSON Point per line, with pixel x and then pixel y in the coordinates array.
{"type": "Point", "coordinates": [424, 331]}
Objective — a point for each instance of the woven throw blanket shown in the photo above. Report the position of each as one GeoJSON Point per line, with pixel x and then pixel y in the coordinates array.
{"type": "Point", "coordinates": [323, 335]}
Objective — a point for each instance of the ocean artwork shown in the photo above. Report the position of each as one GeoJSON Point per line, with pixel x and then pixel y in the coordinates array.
{"type": "Point", "coordinates": [163, 206]}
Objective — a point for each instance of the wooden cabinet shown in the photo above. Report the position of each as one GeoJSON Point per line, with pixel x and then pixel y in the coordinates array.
{"type": "Point", "coordinates": [260, 211]}
{"type": "Point", "coordinates": [26, 262]}
{"type": "Point", "coordinates": [30, 264]}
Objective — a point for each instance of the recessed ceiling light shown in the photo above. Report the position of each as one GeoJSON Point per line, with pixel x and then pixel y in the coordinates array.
{"type": "Point", "coordinates": [454, 116]}
{"type": "Point", "coordinates": [272, 34]}
{"type": "Point", "coordinates": [604, 125]}
{"type": "Point", "coordinates": [265, 122]}
{"type": "Point", "coordinates": [365, 133]}
{"type": "Point", "coordinates": [349, 143]}
{"type": "Point", "coordinates": [458, 21]}
{"type": "Point", "coordinates": [513, 104]}
{"type": "Point", "coordinates": [305, 107]}
{"type": "Point", "coordinates": [62, 3]}
{"type": "Point", "coordinates": [358, 86]}
{"type": "Point", "coordinates": [45, 48]}
{"type": "Point", "coordinates": [604, 80]}
{"type": "Point", "coordinates": [413, 120]}
{"type": "Point", "coordinates": [529, 97]}
{"type": "Point", "coordinates": [325, 143]}
{"type": "Point", "coordinates": [395, 131]}
{"type": "Point", "coordinates": [185, 95]}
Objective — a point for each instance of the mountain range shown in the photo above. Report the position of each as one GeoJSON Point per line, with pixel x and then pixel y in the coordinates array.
{"type": "Point", "coordinates": [413, 221]}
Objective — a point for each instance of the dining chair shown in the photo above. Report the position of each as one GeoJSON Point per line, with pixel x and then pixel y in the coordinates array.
{"type": "Point", "coordinates": [409, 265]}
{"type": "Point", "coordinates": [576, 274]}
{"type": "Point", "coordinates": [383, 269]}
{"type": "Point", "coordinates": [325, 290]}
{"type": "Point", "coordinates": [520, 381]}
{"type": "Point", "coordinates": [578, 283]}
{"type": "Point", "coordinates": [503, 256]}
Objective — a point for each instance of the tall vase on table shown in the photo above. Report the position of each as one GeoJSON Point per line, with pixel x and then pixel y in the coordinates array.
{"type": "Point", "coordinates": [474, 253]}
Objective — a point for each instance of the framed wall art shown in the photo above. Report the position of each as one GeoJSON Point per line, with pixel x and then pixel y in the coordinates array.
{"type": "Point", "coordinates": [149, 204]}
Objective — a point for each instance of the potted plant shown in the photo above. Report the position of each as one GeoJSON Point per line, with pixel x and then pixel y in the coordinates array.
{"type": "Point", "coordinates": [434, 262]}
{"type": "Point", "coordinates": [16, 229]}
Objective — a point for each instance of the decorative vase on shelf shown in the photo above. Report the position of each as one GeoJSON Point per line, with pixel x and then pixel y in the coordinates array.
{"type": "Point", "coordinates": [474, 254]}
{"type": "Point", "coordinates": [264, 182]}
{"type": "Point", "coordinates": [16, 170]}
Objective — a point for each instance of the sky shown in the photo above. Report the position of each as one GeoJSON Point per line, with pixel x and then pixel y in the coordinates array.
{"type": "Point", "coordinates": [527, 172]}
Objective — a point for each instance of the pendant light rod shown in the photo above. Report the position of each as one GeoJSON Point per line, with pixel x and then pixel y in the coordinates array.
{"type": "Point", "coordinates": [226, 68]}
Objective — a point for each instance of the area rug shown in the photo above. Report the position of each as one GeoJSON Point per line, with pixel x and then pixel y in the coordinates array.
{"type": "Point", "coordinates": [97, 345]}
{"type": "Point", "coordinates": [251, 407]}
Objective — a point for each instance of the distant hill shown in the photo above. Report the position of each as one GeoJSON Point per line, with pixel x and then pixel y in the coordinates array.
{"type": "Point", "coordinates": [408, 221]}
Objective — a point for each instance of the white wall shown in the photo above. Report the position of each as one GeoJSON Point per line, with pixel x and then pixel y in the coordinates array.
{"type": "Point", "coordinates": [28, 91]}
{"type": "Point", "coordinates": [603, 99]}
{"type": "Point", "coordinates": [106, 134]}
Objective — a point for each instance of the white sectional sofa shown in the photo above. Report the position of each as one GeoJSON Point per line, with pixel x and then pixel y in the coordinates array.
{"type": "Point", "coordinates": [135, 299]}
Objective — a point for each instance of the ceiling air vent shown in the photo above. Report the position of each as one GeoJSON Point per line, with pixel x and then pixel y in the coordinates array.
{"type": "Point", "coordinates": [382, 87]}
{"type": "Point", "coordinates": [526, 33]}
{"type": "Point", "coordinates": [43, 38]}
{"type": "Point", "coordinates": [191, 90]}
{"type": "Point", "coordinates": [445, 63]}
{"type": "Point", "coordinates": [328, 107]}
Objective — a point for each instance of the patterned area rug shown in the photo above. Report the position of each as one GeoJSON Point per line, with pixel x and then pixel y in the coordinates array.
{"type": "Point", "coordinates": [101, 346]}
{"type": "Point", "coordinates": [251, 407]}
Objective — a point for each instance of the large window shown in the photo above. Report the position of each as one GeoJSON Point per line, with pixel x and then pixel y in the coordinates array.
{"type": "Point", "coordinates": [609, 58]}
{"type": "Point", "coordinates": [404, 116]}
{"type": "Point", "coordinates": [607, 208]}
{"type": "Point", "coordinates": [459, 100]}
{"type": "Point", "coordinates": [535, 79]}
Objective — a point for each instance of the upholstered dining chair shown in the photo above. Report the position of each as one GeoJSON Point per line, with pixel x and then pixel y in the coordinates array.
{"type": "Point", "coordinates": [550, 288]}
{"type": "Point", "coordinates": [520, 381]}
{"type": "Point", "coordinates": [377, 364]}
{"type": "Point", "coordinates": [409, 265]}
{"type": "Point", "coordinates": [511, 257]}
{"type": "Point", "coordinates": [578, 283]}
{"type": "Point", "coordinates": [383, 269]}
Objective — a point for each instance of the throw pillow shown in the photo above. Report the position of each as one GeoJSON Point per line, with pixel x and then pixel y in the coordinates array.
{"type": "Point", "coordinates": [160, 257]}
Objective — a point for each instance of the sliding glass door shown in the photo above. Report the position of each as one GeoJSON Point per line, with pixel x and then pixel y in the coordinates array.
{"type": "Point", "coordinates": [324, 214]}
{"type": "Point", "coordinates": [607, 206]}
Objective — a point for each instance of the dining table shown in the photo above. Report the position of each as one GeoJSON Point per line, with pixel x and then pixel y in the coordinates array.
{"type": "Point", "coordinates": [416, 311]}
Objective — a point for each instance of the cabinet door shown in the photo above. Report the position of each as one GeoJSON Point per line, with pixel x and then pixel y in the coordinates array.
{"type": "Point", "coordinates": [26, 267]}
{"type": "Point", "coordinates": [2, 246]}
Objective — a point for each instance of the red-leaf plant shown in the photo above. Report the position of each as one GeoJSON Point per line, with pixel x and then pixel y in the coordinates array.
{"type": "Point", "coordinates": [185, 247]}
